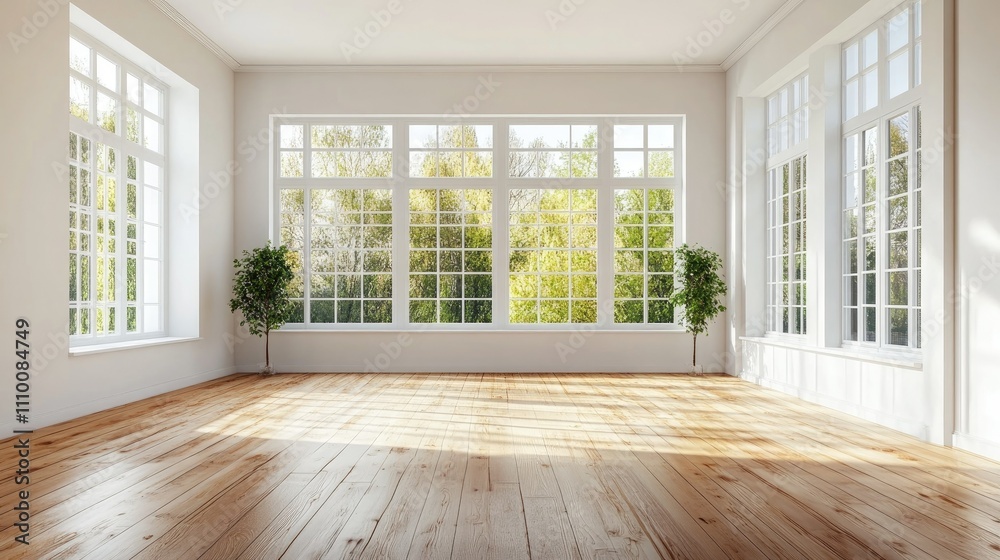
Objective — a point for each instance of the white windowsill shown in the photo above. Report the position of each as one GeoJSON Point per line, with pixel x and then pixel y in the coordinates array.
{"type": "Point", "coordinates": [128, 345]}
{"type": "Point", "coordinates": [903, 360]}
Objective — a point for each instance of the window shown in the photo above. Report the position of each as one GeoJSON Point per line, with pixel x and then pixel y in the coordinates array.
{"type": "Point", "coordinates": [786, 247]}
{"type": "Point", "coordinates": [787, 135]}
{"type": "Point", "coordinates": [451, 151]}
{"type": "Point", "coordinates": [788, 117]}
{"type": "Point", "coordinates": [451, 256]}
{"type": "Point", "coordinates": [882, 188]}
{"type": "Point", "coordinates": [644, 150]}
{"type": "Point", "coordinates": [889, 54]}
{"type": "Point", "coordinates": [553, 256]}
{"type": "Point", "coordinates": [116, 164]}
{"type": "Point", "coordinates": [883, 233]}
{"type": "Point", "coordinates": [552, 150]}
{"type": "Point", "coordinates": [492, 223]}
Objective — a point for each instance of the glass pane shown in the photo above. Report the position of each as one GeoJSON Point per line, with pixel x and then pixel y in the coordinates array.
{"type": "Point", "coordinates": [899, 135]}
{"type": "Point", "coordinates": [628, 164]}
{"type": "Point", "coordinates": [107, 73]}
{"type": "Point", "coordinates": [539, 136]}
{"type": "Point", "coordinates": [899, 31]}
{"type": "Point", "coordinates": [151, 281]}
{"type": "Point", "coordinates": [79, 57]}
{"type": "Point", "coordinates": [629, 136]}
{"type": "Point", "coordinates": [584, 136]}
{"type": "Point", "coordinates": [291, 136]}
{"type": "Point", "coordinates": [661, 136]}
{"type": "Point", "coordinates": [661, 164]}
{"type": "Point", "coordinates": [151, 133]}
{"type": "Point", "coordinates": [899, 327]}
{"type": "Point", "coordinates": [423, 136]}
{"type": "Point", "coordinates": [152, 99]}
{"type": "Point", "coordinates": [870, 49]}
{"type": "Point", "coordinates": [899, 74]}
{"type": "Point", "coordinates": [851, 95]}
{"type": "Point", "coordinates": [870, 91]}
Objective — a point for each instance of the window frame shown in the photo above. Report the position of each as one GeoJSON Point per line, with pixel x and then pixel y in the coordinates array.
{"type": "Point", "coordinates": [125, 148]}
{"type": "Point", "coordinates": [914, 224]}
{"type": "Point", "coordinates": [501, 184]}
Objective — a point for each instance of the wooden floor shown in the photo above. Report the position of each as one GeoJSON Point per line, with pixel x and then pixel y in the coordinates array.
{"type": "Point", "coordinates": [496, 466]}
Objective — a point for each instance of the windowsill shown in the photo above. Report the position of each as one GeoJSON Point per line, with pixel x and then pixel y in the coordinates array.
{"type": "Point", "coordinates": [584, 329]}
{"type": "Point", "coordinates": [908, 361]}
{"type": "Point", "coordinates": [128, 345]}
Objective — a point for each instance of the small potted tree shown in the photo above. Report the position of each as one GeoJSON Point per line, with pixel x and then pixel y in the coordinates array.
{"type": "Point", "coordinates": [701, 291]}
{"type": "Point", "coordinates": [261, 293]}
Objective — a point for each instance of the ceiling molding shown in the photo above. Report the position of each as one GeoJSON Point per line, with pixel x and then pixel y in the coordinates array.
{"type": "Point", "coordinates": [500, 68]}
{"type": "Point", "coordinates": [178, 18]}
{"type": "Point", "coordinates": [762, 31]}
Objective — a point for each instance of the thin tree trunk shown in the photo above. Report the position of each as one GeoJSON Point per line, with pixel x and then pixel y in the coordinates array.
{"type": "Point", "coordinates": [267, 349]}
{"type": "Point", "coordinates": [694, 353]}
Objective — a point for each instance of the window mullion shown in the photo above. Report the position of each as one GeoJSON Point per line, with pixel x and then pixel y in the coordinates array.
{"type": "Point", "coordinates": [501, 225]}
{"type": "Point", "coordinates": [400, 226]}
{"type": "Point", "coordinates": [605, 226]}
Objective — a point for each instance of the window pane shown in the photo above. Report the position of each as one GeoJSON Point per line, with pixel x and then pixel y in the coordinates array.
{"type": "Point", "coordinates": [899, 74]}
{"type": "Point", "coordinates": [536, 136]}
{"type": "Point", "coordinates": [899, 31]}
{"type": "Point", "coordinates": [851, 58]}
{"type": "Point", "coordinates": [629, 136]}
{"type": "Point", "coordinates": [870, 90]}
{"type": "Point", "coordinates": [79, 57]}
{"type": "Point", "coordinates": [629, 164]}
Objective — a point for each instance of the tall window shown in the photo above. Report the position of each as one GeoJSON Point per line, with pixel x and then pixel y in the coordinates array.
{"type": "Point", "coordinates": [787, 247]}
{"type": "Point", "coordinates": [117, 157]}
{"type": "Point", "coordinates": [882, 187]}
{"type": "Point", "coordinates": [492, 223]}
{"type": "Point", "coordinates": [788, 117]}
{"type": "Point", "coordinates": [787, 138]}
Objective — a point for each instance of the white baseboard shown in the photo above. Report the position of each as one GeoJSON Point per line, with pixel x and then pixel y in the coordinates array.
{"type": "Point", "coordinates": [83, 409]}
{"type": "Point", "coordinates": [911, 427]}
{"type": "Point", "coordinates": [979, 446]}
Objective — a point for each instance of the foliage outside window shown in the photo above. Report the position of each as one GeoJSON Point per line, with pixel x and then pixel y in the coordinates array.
{"type": "Point", "coordinates": [491, 223]}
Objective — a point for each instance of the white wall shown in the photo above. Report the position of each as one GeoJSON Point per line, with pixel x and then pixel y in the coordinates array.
{"type": "Point", "coordinates": [911, 395]}
{"type": "Point", "coordinates": [978, 231]}
{"type": "Point", "coordinates": [699, 96]}
{"type": "Point", "coordinates": [34, 205]}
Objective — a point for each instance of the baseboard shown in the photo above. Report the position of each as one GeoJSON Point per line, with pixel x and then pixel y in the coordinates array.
{"type": "Point", "coordinates": [979, 446]}
{"type": "Point", "coordinates": [83, 409]}
{"type": "Point", "coordinates": [913, 428]}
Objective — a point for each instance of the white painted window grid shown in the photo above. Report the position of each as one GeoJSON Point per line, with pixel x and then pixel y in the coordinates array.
{"type": "Point", "coordinates": [883, 234]}
{"type": "Point", "coordinates": [882, 66]}
{"type": "Point", "coordinates": [292, 143]}
{"type": "Point", "coordinates": [786, 247]}
{"type": "Point", "coordinates": [117, 177]}
{"type": "Point", "coordinates": [788, 118]}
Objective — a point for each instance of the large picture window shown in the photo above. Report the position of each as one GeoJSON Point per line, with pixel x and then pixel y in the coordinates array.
{"type": "Point", "coordinates": [117, 157]}
{"type": "Point", "coordinates": [491, 223]}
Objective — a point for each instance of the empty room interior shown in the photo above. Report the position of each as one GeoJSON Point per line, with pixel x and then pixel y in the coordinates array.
{"type": "Point", "coordinates": [546, 279]}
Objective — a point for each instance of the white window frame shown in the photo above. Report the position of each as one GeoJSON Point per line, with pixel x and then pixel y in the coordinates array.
{"type": "Point", "coordinates": [401, 183]}
{"type": "Point", "coordinates": [776, 304]}
{"type": "Point", "coordinates": [126, 148]}
{"type": "Point", "coordinates": [878, 118]}
{"type": "Point", "coordinates": [788, 117]}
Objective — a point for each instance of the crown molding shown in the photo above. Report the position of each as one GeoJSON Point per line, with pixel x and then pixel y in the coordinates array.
{"type": "Point", "coordinates": [762, 31]}
{"type": "Point", "coordinates": [498, 69]}
{"type": "Point", "coordinates": [178, 18]}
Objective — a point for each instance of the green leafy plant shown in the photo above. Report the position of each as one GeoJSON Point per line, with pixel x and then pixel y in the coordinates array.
{"type": "Point", "coordinates": [701, 290]}
{"type": "Point", "coordinates": [261, 290]}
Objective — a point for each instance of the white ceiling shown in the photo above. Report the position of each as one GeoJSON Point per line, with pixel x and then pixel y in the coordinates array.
{"type": "Point", "coordinates": [477, 32]}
